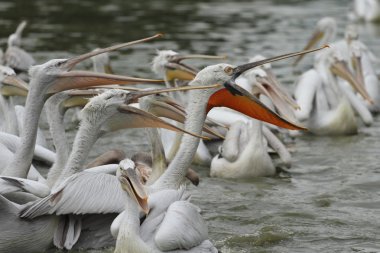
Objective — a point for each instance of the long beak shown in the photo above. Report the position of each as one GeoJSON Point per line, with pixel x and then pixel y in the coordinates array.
{"type": "Point", "coordinates": [83, 79]}
{"type": "Point", "coordinates": [175, 69]}
{"type": "Point", "coordinates": [281, 92]}
{"type": "Point", "coordinates": [242, 68]}
{"type": "Point", "coordinates": [79, 98]}
{"type": "Point", "coordinates": [317, 36]}
{"type": "Point", "coordinates": [132, 184]}
{"type": "Point", "coordinates": [70, 63]}
{"type": "Point", "coordinates": [244, 102]}
{"type": "Point", "coordinates": [7, 91]}
{"type": "Point", "coordinates": [134, 96]}
{"type": "Point", "coordinates": [340, 69]}
{"type": "Point", "coordinates": [136, 118]}
{"type": "Point", "coordinates": [266, 86]}
{"type": "Point", "coordinates": [16, 82]}
{"type": "Point", "coordinates": [235, 97]}
{"type": "Point", "coordinates": [168, 108]}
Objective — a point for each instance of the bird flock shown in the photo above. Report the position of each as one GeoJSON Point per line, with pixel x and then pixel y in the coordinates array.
{"type": "Point", "coordinates": [138, 202]}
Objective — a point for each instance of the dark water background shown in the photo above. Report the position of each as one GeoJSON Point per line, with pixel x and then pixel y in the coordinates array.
{"type": "Point", "coordinates": [331, 200]}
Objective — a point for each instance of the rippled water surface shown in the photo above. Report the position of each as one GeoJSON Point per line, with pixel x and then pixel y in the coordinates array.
{"type": "Point", "coordinates": [330, 201]}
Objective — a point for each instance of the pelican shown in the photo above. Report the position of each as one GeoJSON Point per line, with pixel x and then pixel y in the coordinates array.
{"type": "Point", "coordinates": [326, 32]}
{"type": "Point", "coordinates": [47, 79]}
{"type": "Point", "coordinates": [327, 104]}
{"type": "Point", "coordinates": [14, 56]}
{"type": "Point", "coordinates": [366, 10]}
{"type": "Point", "coordinates": [244, 153]}
{"type": "Point", "coordinates": [172, 225]}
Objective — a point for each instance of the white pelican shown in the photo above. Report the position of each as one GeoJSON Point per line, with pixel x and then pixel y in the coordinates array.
{"type": "Point", "coordinates": [14, 56]}
{"type": "Point", "coordinates": [326, 32]}
{"type": "Point", "coordinates": [366, 10]}
{"type": "Point", "coordinates": [244, 153]}
{"type": "Point", "coordinates": [172, 225]}
{"type": "Point", "coordinates": [326, 104]}
{"type": "Point", "coordinates": [49, 78]}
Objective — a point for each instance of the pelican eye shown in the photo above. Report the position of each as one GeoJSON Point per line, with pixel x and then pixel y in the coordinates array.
{"type": "Point", "coordinates": [59, 64]}
{"type": "Point", "coordinates": [229, 70]}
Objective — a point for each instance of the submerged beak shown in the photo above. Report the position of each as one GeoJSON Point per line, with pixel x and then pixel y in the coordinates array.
{"type": "Point", "coordinates": [237, 98]}
{"type": "Point", "coordinates": [175, 69]}
{"type": "Point", "coordinates": [132, 184]}
{"type": "Point", "coordinates": [70, 63]}
{"type": "Point", "coordinates": [315, 38]}
{"type": "Point", "coordinates": [341, 69]}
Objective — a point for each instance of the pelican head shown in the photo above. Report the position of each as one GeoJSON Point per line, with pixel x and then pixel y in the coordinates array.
{"type": "Point", "coordinates": [237, 98]}
{"type": "Point", "coordinates": [131, 182]}
{"type": "Point", "coordinates": [324, 32]}
{"type": "Point", "coordinates": [169, 63]}
{"type": "Point", "coordinates": [339, 67]}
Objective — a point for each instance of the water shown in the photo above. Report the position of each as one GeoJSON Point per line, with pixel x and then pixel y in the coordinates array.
{"type": "Point", "coordinates": [329, 202]}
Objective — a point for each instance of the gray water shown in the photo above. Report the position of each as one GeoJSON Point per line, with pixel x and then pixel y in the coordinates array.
{"type": "Point", "coordinates": [330, 201]}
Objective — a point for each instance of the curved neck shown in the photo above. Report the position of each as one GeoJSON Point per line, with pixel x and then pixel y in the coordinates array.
{"type": "Point", "coordinates": [55, 116]}
{"type": "Point", "coordinates": [85, 138]}
{"type": "Point", "coordinates": [128, 239]}
{"type": "Point", "coordinates": [196, 115]}
{"type": "Point", "coordinates": [20, 164]}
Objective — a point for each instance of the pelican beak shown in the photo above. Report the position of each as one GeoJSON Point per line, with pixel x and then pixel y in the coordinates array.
{"type": "Point", "coordinates": [131, 183]}
{"type": "Point", "coordinates": [84, 79]}
{"type": "Point", "coordinates": [341, 69]}
{"type": "Point", "coordinates": [80, 79]}
{"type": "Point", "coordinates": [315, 38]}
{"type": "Point", "coordinates": [14, 86]}
{"type": "Point", "coordinates": [136, 118]}
{"type": "Point", "coordinates": [79, 98]}
{"type": "Point", "coordinates": [70, 63]}
{"type": "Point", "coordinates": [176, 69]}
{"type": "Point", "coordinates": [280, 91]}
{"type": "Point", "coordinates": [281, 100]}
{"type": "Point", "coordinates": [237, 98]}
{"type": "Point", "coordinates": [165, 106]}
